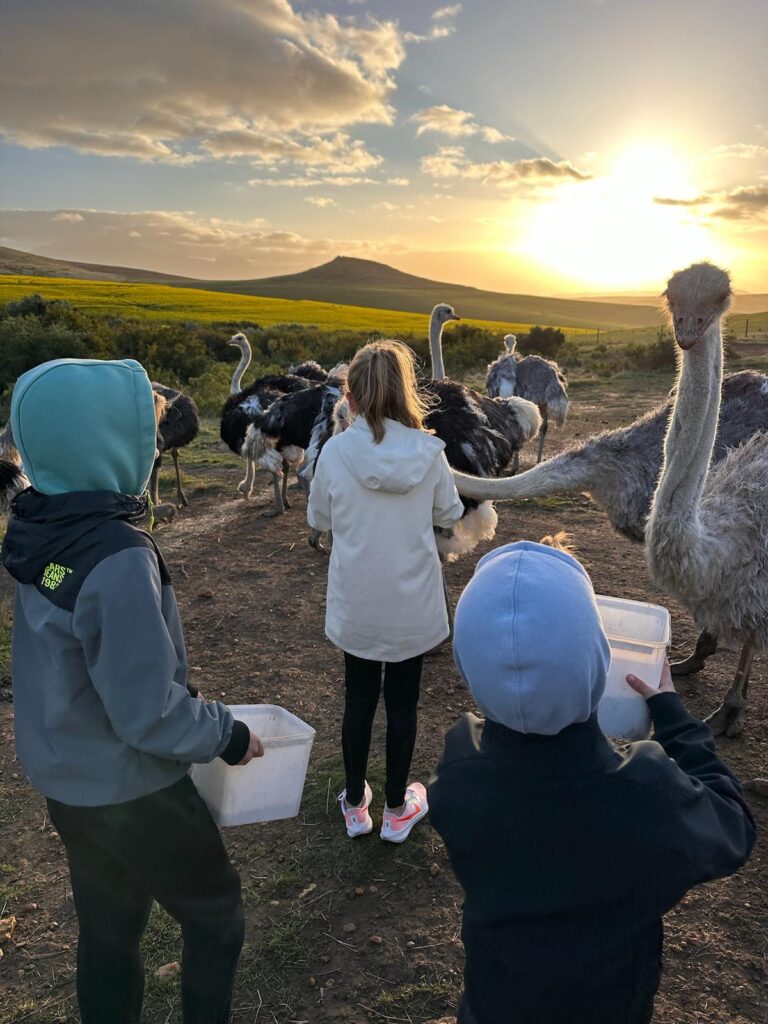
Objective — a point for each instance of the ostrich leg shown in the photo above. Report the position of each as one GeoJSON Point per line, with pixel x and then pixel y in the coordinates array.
{"type": "Point", "coordinates": [278, 508]}
{"type": "Point", "coordinates": [286, 471]}
{"type": "Point", "coordinates": [154, 481]}
{"type": "Point", "coordinates": [515, 463]}
{"type": "Point", "coordinates": [706, 646]}
{"type": "Point", "coordinates": [542, 435]}
{"type": "Point", "coordinates": [181, 498]}
{"type": "Point", "coordinates": [728, 720]}
{"type": "Point", "coordinates": [246, 484]}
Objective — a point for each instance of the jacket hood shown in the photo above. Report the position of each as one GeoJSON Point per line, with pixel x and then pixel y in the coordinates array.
{"type": "Point", "coordinates": [85, 425]}
{"type": "Point", "coordinates": [42, 528]}
{"type": "Point", "coordinates": [400, 462]}
{"type": "Point", "coordinates": [529, 640]}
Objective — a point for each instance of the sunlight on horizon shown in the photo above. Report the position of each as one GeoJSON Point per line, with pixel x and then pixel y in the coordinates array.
{"type": "Point", "coordinates": [609, 233]}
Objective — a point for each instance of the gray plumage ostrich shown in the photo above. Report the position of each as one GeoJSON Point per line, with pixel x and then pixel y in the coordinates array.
{"type": "Point", "coordinates": [707, 531]}
{"type": "Point", "coordinates": [537, 379]}
{"type": "Point", "coordinates": [178, 427]}
{"type": "Point", "coordinates": [618, 469]}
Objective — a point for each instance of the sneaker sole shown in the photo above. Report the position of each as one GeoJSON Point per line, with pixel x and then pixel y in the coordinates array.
{"type": "Point", "coordinates": [356, 835]}
{"type": "Point", "coordinates": [400, 837]}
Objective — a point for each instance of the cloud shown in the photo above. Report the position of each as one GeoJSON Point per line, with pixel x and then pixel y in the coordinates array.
{"type": "Point", "coordinates": [321, 201]}
{"type": "Point", "coordinates": [739, 151]}
{"type": "Point", "coordinates": [452, 162]}
{"type": "Point", "coordinates": [745, 202]}
{"type": "Point", "coordinates": [173, 241]}
{"type": "Point", "coordinates": [187, 80]}
{"type": "Point", "coordinates": [443, 25]}
{"type": "Point", "coordinates": [446, 120]}
{"type": "Point", "coordinates": [334, 180]}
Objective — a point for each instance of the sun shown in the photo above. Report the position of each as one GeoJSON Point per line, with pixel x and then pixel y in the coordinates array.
{"type": "Point", "coordinates": [610, 233]}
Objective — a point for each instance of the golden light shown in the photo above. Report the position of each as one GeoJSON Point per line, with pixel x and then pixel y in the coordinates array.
{"type": "Point", "coordinates": [608, 233]}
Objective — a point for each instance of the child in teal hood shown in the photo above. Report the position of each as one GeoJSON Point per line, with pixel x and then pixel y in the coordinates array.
{"type": "Point", "coordinates": [106, 721]}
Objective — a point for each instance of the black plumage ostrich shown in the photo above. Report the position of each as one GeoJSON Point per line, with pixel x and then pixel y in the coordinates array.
{"type": "Point", "coordinates": [178, 427]}
{"type": "Point", "coordinates": [12, 482]}
{"type": "Point", "coordinates": [310, 370]}
{"type": "Point", "coordinates": [478, 431]}
{"type": "Point", "coordinates": [292, 427]}
{"type": "Point", "coordinates": [245, 405]}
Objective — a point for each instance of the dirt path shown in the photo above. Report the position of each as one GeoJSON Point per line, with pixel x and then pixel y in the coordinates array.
{"type": "Point", "coordinates": [352, 932]}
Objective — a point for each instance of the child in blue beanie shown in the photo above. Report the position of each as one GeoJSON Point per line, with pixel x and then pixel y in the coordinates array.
{"type": "Point", "coordinates": [106, 722]}
{"type": "Point", "coordinates": [568, 852]}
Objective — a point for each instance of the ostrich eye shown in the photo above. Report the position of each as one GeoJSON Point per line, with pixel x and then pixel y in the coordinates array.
{"type": "Point", "coordinates": [700, 320]}
{"type": "Point", "coordinates": [680, 321]}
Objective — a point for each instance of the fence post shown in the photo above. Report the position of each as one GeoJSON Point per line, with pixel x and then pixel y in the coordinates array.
{"type": "Point", "coordinates": [746, 328]}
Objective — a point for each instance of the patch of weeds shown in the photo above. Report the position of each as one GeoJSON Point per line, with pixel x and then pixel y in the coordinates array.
{"type": "Point", "coordinates": [284, 885]}
{"type": "Point", "coordinates": [6, 624]}
{"type": "Point", "coordinates": [419, 997]}
{"type": "Point", "coordinates": [289, 941]}
{"type": "Point", "coordinates": [161, 945]}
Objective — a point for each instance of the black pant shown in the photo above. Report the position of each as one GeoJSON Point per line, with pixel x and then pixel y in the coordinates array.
{"type": "Point", "coordinates": [164, 846]}
{"type": "Point", "coordinates": [401, 697]}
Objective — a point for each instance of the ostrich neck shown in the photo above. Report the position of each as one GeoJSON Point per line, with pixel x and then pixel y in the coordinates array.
{"type": "Point", "coordinates": [436, 349]}
{"type": "Point", "coordinates": [692, 430]}
{"type": "Point", "coordinates": [570, 472]}
{"type": "Point", "coordinates": [242, 366]}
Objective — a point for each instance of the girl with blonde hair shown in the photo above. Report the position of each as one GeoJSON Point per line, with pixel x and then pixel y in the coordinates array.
{"type": "Point", "coordinates": [382, 486]}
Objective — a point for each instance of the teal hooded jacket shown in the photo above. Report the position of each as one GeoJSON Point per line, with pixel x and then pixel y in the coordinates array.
{"type": "Point", "coordinates": [103, 710]}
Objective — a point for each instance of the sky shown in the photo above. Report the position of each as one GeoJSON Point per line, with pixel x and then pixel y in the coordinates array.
{"type": "Point", "coordinates": [555, 147]}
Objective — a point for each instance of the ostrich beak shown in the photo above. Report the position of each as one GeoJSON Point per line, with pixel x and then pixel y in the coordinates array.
{"type": "Point", "coordinates": [454, 317]}
{"type": "Point", "coordinates": [688, 331]}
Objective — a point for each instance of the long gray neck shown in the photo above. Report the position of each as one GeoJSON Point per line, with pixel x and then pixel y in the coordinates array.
{"type": "Point", "coordinates": [436, 348]}
{"type": "Point", "coordinates": [571, 472]}
{"type": "Point", "coordinates": [692, 429]}
{"type": "Point", "coordinates": [242, 366]}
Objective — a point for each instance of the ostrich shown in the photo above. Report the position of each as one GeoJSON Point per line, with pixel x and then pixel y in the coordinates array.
{"type": "Point", "coordinates": [706, 534]}
{"type": "Point", "coordinates": [8, 449]}
{"type": "Point", "coordinates": [12, 482]}
{"type": "Point", "coordinates": [245, 405]}
{"type": "Point", "coordinates": [282, 434]}
{"type": "Point", "coordinates": [533, 377]}
{"type": "Point", "coordinates": [618, 469]}
{"type": "Point", "coordinates": [310, 370]}
{"type": "Point", "coordinates": [482, 436]}
{"type": "Point", "coordinates": [179, 426]}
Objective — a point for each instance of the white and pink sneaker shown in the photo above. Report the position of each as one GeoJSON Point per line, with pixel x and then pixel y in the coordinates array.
{"type": "Point", "coordinates": [396, 828]}
{"type": "Point", "coordinates": [357, 819]}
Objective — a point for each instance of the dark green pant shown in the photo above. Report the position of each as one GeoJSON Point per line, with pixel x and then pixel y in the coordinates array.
{"type": "Point", "coordinates": [162, 847]}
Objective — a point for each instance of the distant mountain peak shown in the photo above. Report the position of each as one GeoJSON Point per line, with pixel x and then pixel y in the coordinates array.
{"type": "Point", "coordinates": [354, 270]}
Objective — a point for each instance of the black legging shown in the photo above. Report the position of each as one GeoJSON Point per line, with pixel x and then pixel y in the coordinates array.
{"type": "Point", "coordinates": [401, 697]}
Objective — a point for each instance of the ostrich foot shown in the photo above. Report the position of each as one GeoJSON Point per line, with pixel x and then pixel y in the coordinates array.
{"type": "Point", "coordinates": [728, 720]}
{"type": "Point", "coordinates": [181, 500]}
{"type": "Point", "coordinates": [244, 488]}
{"type": "Point", "coordinates": [314, 539]}
{"type": "Point", "coordinates": [272, 513]}
{"type": "Point", "coordinates": [164, 513]}
{"type": "Point", "coordinates": [286, 503]}
{"type": "Point", "coordinates": [706, 646]}
{"type": "Point", "coordinates": [757, 786]}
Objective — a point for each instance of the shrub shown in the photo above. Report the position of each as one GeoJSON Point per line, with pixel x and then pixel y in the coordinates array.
{"type": "Point", "coordinates": [541, 341]}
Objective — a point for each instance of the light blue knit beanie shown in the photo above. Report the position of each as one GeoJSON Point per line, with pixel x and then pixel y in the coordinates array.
{"type": "Point", "coordinates": [529, 641]}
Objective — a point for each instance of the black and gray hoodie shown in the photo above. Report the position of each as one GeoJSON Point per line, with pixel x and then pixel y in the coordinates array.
{"type": "Point", "coordinates": [103, 710]}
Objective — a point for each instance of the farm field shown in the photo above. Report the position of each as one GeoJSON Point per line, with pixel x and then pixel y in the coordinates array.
{"type": "Point", "coordinates": [166, 303]}
{"type": "Point", "coordinates": [351, 932]}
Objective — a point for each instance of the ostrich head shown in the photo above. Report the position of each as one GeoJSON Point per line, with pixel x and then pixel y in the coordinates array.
{"type": "Point", "coordinates": [510, 341]}
{"type": "Point", "coordinates": [442, 313]}
{"type": "Point", "coordinates": [238, 340]}
{"type": "Point", "coordinates": [696, 298]}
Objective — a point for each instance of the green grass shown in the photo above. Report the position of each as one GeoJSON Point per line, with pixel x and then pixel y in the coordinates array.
{"type": "Point", "coordinates": [166, 303]}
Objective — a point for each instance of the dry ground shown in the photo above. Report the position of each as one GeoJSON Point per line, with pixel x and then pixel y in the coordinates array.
{"type": "Point", "coordinates": [355, 932]}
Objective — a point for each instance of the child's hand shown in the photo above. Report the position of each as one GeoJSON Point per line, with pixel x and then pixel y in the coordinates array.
{"type": "Point", "coordinates": [665, 686]}
{"type": "Point", "coordinates": [255, 749]}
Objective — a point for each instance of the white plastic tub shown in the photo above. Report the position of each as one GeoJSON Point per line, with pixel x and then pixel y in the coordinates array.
{"type": "Point", "coordinates": [269, 787]}
{"type": "Point", "coordinates": [638, 634]}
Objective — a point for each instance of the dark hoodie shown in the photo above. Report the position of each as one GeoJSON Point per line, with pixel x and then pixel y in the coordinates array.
{"type": "Point", "coordinates": [103, 712]}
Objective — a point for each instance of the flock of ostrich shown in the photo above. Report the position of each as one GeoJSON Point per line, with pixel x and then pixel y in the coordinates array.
{"type": "Point", "coordinates": [688, 479]}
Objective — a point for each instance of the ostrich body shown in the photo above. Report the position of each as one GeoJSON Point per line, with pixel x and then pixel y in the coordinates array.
{"type": "Point", "coordinates": [706, 534]}
{"type": "Point", "coordinates": [310, 370]}
{"type": "Point", "coordinates": [537, 379]}
{"type": "Point", "coordinates": [288, 428]}
{"type": "Point", "coordinates": [179, 426]}
{"type": "Point", "coordinates": [618, 469]}
{"type": "Point", "coordinates": [8, 449]}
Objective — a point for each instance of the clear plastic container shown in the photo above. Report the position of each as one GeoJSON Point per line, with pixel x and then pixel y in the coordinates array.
{"type": "Point", "coordinates": [269, 787]}
{"type": "Point", "coordinates": [638, 634]}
